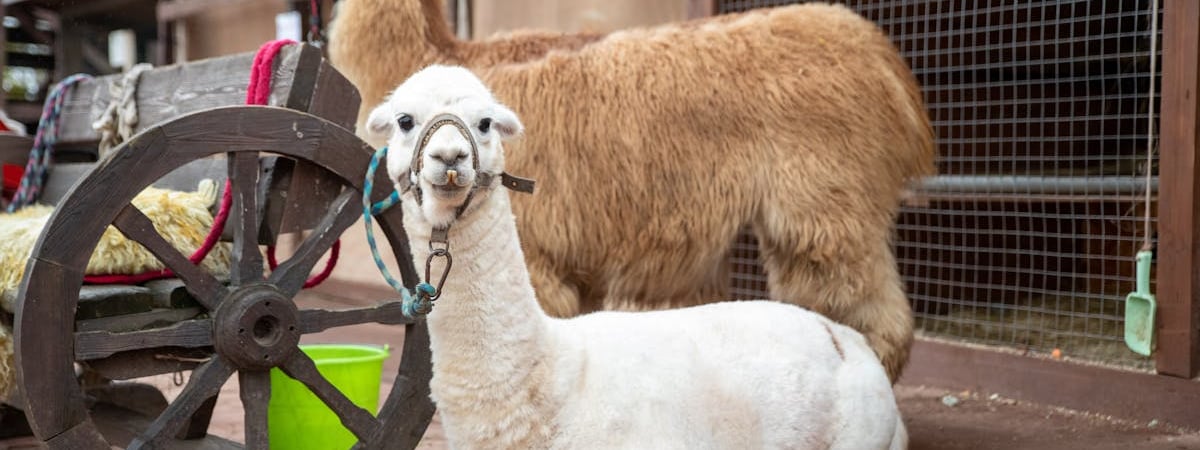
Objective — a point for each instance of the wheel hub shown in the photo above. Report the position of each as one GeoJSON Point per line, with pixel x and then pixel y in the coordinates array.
{"type": "Point", "coordinates": [256, 327]}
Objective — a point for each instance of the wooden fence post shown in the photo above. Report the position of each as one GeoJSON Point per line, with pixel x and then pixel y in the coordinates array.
{"type": "Point", "coordinates": [1179, 195]}
{"type": "Point", "coordinates": [697, 9]}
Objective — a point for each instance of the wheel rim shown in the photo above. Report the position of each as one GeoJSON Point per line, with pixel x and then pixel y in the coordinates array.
{"type": "Point", "coordinates": [253, 326]}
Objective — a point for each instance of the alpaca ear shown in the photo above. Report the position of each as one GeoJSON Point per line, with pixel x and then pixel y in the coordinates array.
{"type": "Point", "coordinates": [505, 122]}
{"type": "Point", "coordinates": [381, 122]}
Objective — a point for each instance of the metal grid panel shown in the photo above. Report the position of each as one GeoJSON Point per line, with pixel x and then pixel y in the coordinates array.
{"type": "Point", "coordinates": [1026, 238]}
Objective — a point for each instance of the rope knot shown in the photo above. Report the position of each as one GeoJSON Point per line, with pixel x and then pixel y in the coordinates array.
{"type": "Point", "coordinates": [421, 301]}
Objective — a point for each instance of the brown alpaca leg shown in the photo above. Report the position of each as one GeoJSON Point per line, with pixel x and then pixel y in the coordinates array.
{"type": "Point", "coordinates": [884, 316]}
{"type": "Point", "coordinates": [860, 291]}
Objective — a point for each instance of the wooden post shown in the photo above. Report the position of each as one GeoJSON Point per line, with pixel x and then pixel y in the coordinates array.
{"type": "Point", "coordinates": [3, 56]}
{"type": "Point", "coordinates": [697, 9]}
{"type": "Point", "coordinates": [164, 52]}
{"type": "Point", "coordinates": [1179, 230]}
{"type": "Point", "coordinates": [68, 53]}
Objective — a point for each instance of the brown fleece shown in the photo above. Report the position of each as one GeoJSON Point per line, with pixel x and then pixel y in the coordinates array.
{"type": "Point", "coordinates": [652, 147]}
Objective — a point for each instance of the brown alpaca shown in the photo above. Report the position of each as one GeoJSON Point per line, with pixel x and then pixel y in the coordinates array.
{"type": "Point", "coordinates": [653, 147]}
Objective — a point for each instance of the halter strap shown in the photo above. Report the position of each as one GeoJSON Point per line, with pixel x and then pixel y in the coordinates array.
{"type": "Point", "coordinates": [420, 301]}
{"type": "Point", "coordinates": [483, 180]}
{"type": "Point", "coordinates": [437, 123]}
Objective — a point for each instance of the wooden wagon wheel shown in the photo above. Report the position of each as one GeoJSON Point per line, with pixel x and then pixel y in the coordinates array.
{"type": "Point", "coordinates": [252, 324]}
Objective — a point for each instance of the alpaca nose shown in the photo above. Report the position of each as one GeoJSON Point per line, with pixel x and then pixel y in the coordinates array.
{"type": "Point", "coordinates": [448, 156]}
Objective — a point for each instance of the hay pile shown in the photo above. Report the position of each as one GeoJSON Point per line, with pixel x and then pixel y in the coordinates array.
{"type": "Point", "coordinates": [8, 373]}
{"type": "Point", "coordinates": [183, 218]}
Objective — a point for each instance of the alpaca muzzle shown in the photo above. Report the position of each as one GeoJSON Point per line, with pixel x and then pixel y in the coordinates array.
{"type": "Point", "coordinates": [483, 180]}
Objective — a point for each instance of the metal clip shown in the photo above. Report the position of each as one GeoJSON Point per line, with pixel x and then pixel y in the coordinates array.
{"type": "Point", "coordinates": [436, 253]}
{"type": "Point", "coordinates": [315, 38]}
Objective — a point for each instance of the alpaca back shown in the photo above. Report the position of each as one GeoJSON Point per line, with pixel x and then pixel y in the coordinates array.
{"type": "Point", "coordinates": [705, 125]}
{"type": "Point", "coordinates": [725, 375]}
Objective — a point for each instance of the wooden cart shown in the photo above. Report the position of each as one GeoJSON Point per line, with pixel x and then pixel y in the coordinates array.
{"type": "Point", "coordinates": [295, 165]}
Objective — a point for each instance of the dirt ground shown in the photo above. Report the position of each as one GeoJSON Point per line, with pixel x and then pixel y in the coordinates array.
{"type": "Point", "coordinates": [976, 422]}
{"type": "Point", "coordinates": [996, 423]}
{"type": "Point", "coordinates": [937, 419]}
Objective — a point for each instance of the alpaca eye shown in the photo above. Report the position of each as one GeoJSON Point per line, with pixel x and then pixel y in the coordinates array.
{"type": "Point", "coordinates": [405, 121]}
{"type": "Point", "coordinates": [485, 125]}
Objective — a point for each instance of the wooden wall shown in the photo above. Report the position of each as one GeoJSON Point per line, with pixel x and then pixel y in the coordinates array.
{"type": "Point", "coordinates": [242, 26]}
{"type": "Point", "coordinates": [491, 16]}
{"type": "Point", "coordinates": [236, 27]}
{"type": "Point", "coordinates": [233, 28]}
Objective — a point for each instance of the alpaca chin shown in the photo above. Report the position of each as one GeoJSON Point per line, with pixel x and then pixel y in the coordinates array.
{"type": "Point", "coordinates": [441, 212]}
{"type": "Point", "coordinates": [448, 194]}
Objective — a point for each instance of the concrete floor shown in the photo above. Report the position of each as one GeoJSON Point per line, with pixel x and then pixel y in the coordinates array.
{"type": "Point", "coordinates": [974, 422]}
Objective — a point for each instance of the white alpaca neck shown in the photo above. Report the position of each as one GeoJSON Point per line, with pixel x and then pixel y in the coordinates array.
{"type": "Point", "coordinates": [487, 331]}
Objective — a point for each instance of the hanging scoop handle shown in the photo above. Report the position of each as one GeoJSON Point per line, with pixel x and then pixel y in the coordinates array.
{"type": "Point", "coordinates": [1143, 271]}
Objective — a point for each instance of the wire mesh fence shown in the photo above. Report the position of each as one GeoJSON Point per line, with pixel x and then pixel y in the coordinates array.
{"type": "Point", "coordinates": [1027, 236]}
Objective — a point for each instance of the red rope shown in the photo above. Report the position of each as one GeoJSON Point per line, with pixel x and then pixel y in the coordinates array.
{"type": "Point", "coordinates": [318, 278]}
{"type": "Point", "coordinates": [257, 93]}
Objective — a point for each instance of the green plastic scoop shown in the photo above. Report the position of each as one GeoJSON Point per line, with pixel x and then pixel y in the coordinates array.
{"type": "Point", "coordinates": [1140, 308]}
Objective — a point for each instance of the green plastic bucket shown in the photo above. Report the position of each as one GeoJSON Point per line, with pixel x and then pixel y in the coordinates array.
{"type": "Point", "coordinates": [297, 419]}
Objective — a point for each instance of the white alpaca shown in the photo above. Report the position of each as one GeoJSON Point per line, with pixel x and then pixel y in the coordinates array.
{"type": "Point", "coordinates": [505, 375]}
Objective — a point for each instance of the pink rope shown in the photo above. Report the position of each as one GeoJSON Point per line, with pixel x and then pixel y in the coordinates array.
{"type": "Point", "coordinates": [257, 93]}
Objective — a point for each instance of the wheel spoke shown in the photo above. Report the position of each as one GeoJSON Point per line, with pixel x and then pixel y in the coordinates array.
{"type": "Point", "coordinates": [344, 211]}
{"type": "Point", "coordinates": [256, 393]}
{"type": "Point", "coordinates": [201, 284]}
{"type": "Point", "coordinates": [243, 176]}
{"type": "Point", "coordinates": [317, 320]}
{"type": "Point", "coordinates": [408, 406]}
{"type": "Point", "coordinates": [91, 345]}
{"type": "Point", "coordinates": [357, 420]}
{"type": "Point", "coordinates": [197, 425]}
{"type": "Point", "coordinates": [205, 382]}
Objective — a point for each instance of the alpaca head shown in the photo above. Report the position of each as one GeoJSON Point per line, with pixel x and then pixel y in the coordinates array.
{"type": "Point", "coordinates": [446, 171]}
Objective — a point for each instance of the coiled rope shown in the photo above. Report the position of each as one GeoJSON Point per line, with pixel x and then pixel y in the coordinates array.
{"type": "Point", "coordinates": [118, 121]}
{"type": "Point", "coordinates": [413, 303]}
{"type": "Point", "coordinates": [42, 153]}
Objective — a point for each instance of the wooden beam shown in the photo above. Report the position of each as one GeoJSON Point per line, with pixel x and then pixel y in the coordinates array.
{"type": "Point", "coordinates": [1119, 393]}
{"type": "Point", "coordinates": [3, 56]}
{"type": "Point", "coordinates": [68, 52]}
{"type": "Point", "coordinates": [1179, 192]}
{"type": "Point", "coordinates": [29, 23]}
{"type": "Point", "coordinates": [171, 10]}
{"type": "Point", "coordinates": [79, 9]}
{"type": "Point", "coordinates": [97, 58]}
{"type": "Point", "coordinates": [164, 52]}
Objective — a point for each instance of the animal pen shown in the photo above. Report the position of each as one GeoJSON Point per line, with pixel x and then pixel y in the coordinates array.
{"type": "Point", "coordinates": [1025, 240]}
{"type": "Point", "coordinates": [1022, 245]}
